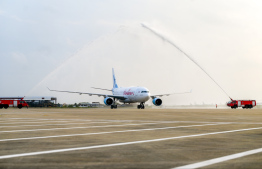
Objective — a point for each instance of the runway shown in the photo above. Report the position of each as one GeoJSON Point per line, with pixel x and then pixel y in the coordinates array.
{"type": "Point", "coordinates": [130, 138]}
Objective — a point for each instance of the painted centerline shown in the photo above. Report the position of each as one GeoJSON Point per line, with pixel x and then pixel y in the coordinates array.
{"type": "Point", "coordinates": [120, 144]}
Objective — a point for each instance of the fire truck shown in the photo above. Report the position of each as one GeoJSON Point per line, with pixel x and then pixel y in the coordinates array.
{"type": "Point", "coordinates": [6, 102]}
{"type": "Point", "coordinates": [245, 104]}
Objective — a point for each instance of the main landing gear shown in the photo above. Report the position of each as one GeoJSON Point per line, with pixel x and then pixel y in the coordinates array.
{"type": "Point", "coordinates": [114, 106]}
{"type": "Point", "coordinates": [141, 106]}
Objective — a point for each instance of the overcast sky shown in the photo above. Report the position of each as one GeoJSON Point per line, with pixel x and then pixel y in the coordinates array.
{"type": "Point", "coordinates": [72, 45]}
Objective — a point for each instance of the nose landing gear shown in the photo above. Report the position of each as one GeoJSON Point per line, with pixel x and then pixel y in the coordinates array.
{"type": "Point", "coordinates": [141, 106]}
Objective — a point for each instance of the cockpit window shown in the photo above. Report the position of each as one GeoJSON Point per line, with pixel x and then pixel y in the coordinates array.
{"type": "Point", "coordinates": [145, 92]}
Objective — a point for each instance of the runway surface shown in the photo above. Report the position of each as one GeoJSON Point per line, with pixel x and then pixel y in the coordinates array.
{"type": "Point", "coordinates": [130, 138]}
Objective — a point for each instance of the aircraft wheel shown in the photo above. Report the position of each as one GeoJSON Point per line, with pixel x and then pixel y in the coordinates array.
{"type": "Point", "coordinates": [112, 106]}
{"type": "Point", "coordinates": [138, 106]}
{"type": "Point", "coordinates": [115, 106]}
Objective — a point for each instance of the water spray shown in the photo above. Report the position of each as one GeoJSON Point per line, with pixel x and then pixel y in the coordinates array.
{"type": "Point", "coordinates": [189, 57]}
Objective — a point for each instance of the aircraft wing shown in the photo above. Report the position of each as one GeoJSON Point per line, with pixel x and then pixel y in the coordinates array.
{"type": "Point", "coordinates": [90, 94]}
{"type": "Point", "coordinates": [102, 89]}
{"type": "Point", "coordinates": [160, 95]}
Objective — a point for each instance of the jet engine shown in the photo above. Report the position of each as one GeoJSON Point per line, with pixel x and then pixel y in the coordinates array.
{"type": "Point", "coordinates": [108, 101]}
{"type": "Point", "coordinates": [157, 101]}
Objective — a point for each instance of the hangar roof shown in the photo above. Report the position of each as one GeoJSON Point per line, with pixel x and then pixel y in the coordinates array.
{"type": "Point", "coordinates": [40, 98]}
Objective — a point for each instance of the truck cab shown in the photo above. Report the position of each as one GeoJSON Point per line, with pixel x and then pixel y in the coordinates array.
{"type": "Point", "coordinates": [233, 104]}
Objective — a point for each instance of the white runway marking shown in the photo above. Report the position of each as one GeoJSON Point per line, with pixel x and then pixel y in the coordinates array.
{"type": "Point", "coordinates": [219, 160]}
{"type": "Point", "coordinates": [13, 131]}
{"type": "Point", "coordinates": [31, 119]}
{"type": "Point", "coordinates": [110, 132]}
{"type": "Point", "coordinates": [120, 144]}
{"type": "Point", "coordinates": [34, 122]}
{"type": "Point", "coordinates": [52, 124]}
{"type": "Point", "coordinates": [122, 120]}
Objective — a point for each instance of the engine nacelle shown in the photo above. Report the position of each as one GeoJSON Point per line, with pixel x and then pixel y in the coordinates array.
{"type": "Point", "coordinates": [108, 101]}
{"type": "Point", "coordinates": [157, 101]}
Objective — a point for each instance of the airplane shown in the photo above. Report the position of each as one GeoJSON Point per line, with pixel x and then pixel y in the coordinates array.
{"type": "Point", "coordinates": [126, 95]}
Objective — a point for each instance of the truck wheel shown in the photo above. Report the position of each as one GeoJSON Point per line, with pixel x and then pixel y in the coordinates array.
{"type": "Point", "coordinates": [20, 106]}
{"type": "Point", "coordinates": [1, 106]}
{"type": "Point", "coordinates": [6, 106]}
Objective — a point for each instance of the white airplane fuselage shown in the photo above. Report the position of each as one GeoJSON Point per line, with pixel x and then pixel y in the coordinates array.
{"type": "Point", "coordinates": [133, 94]}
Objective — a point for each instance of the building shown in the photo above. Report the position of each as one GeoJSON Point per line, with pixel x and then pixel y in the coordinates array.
{"type": "Point", "coordinates": [87, 104]}
{"type": "Point", "coordinates": [41, 101]}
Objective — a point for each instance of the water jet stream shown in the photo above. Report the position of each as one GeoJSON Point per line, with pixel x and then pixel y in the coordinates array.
{"type": "Point", "coordinates": [189, 57]}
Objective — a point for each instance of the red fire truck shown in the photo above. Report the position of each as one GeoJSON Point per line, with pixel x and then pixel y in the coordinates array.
{"type": "Point", "coordinates": [245, 104]}
{"type": "Point", "coordinates": [6, 102]}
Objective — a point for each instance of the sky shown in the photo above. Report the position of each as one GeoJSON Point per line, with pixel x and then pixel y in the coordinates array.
{"type": "Point", "coordinates": [73, 45]}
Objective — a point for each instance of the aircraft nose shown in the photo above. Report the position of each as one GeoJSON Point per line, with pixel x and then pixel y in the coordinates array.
{"type": "Point", "coordinates": [147, 96]}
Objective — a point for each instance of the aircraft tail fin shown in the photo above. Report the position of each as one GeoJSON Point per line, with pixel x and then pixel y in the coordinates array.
{"type": "Point", "coordinates": [114, 79]}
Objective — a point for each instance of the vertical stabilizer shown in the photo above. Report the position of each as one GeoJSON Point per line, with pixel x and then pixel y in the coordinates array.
{"type": "Point", "coordinates": [114, 79]}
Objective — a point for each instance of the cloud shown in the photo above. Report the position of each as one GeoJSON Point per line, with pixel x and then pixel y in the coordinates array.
{"type": "Point", "coordinates": [76, 22]}
{"type": "Point", "coordinates": [15, 17]}
{"type": "Point", "coordinates": [19, 58]}
{"type": "Point", "coordinates": [2, 12]}
{"type": "Point", "coordinates": [21, 20]}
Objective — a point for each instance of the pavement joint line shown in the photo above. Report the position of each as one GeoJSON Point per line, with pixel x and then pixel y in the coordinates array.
{"type": "Point", "coordinates": [12, 131]}
{"type": "Point", "coordinates": [77, 123]}
{"type": "Point", "coordinates": [21, 120]}
{"type": "Point", "coordinates": [220, 159]}
{"type": "Point", "coordinates": [119, 144]}
{"type": "Point", "coordinates": [110, 132]}
{"type": "Point", "coordinates": [34, 122]}
{"type": "Point", "coordinates": [68, 120]}
{"type": "Point", "coordinates": [127, 120]}
{"type": "Point", "coordinates": [51, 124]}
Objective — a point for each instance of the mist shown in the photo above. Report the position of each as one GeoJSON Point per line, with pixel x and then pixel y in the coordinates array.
{"type": "Point", "coordinates": [68, 45]}
{"type": "Point", "coordinates": [139, 59]}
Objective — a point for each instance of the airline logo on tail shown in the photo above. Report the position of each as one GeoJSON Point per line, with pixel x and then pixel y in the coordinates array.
{"type": "Point", "coordinates": [114, 79]}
